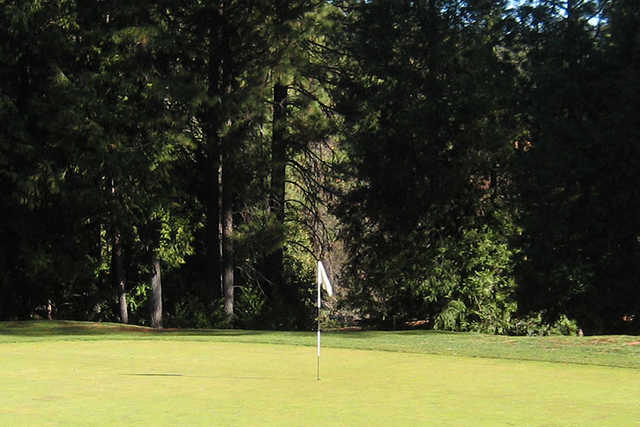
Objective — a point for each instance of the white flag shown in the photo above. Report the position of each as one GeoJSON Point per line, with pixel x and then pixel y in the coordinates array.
{"type": "Point", "coordinates": [323, 279]}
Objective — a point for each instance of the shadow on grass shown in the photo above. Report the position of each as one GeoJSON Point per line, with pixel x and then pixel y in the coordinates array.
{"type": "Point", "coordinates": [216, 377]}
{"type": "Point", "coordinates": [368, 333]}
{"type": "Point", "coordinates": [44, 328]}
{"type": "Point", "coordinates": [155, 375]}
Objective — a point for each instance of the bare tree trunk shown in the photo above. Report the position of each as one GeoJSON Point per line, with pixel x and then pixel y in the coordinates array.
{"type": "Point", "coordinates": [228, 159]}
{"type": "Point", "coordinates": [156, 294]}
{"type": "Point", "coordinates": [212, 119]}
{"type": "Point", "coordinates": [214, 254]}
{"type": "Point", "coordinates": [117, 266]}
{"type": "Point", "coordinates": [117, 269]}
{"type": "Point", "coordinates": [277, 191]}
{"type": "Point", "coordinates": [227, 249]}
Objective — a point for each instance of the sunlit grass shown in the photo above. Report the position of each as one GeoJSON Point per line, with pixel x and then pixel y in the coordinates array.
{"type": "Point", "coordinates": [69, 373]}
{"type": "Point", "coordinates": [617, 350]}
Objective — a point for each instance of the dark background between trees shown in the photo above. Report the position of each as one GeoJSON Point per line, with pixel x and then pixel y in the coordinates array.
{"type": "Point", "coordinates": [472, 164]}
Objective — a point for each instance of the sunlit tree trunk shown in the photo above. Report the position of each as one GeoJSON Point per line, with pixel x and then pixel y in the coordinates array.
{"type": "Point", "coordinates": [228, 159]}
{"type": "Point", "coordinates": [227, 248]}
{"type": "Point", "coordinates": [156, 294]}
{"type": "Point", "coordinates": [117, 269]}
{"type": "Point", "coordinates": [117, 266]}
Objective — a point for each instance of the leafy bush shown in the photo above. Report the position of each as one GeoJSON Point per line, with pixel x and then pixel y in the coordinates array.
{"type": "Point", "coordinates": [192, 312]}
{"type": "Point", "coordinates": [536, 325]}
{"type": "Point", "coordinates": [473, 277]}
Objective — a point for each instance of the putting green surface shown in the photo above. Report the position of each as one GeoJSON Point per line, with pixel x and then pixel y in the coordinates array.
{"type": "Point", "coordinates": [165, 382]}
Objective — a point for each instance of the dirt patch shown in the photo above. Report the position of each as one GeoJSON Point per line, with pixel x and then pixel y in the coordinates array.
{"type": "Point", "coordinates": [417, 324]}
{"type": "Point", "coordinates": [633, 343]}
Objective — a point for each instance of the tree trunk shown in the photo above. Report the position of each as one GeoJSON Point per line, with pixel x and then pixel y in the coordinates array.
{"type": "Point", "coordinates": [227, 248]}
{"type": "Point", "coordinates": [214, 254]}
{"type": "Point", "coordinates": [156, 294]}
{"type": "Point", "coordinates": [117, 266]}
{"type": "Point", "coordinates": [213, 164]}
{"type": "Point", "coordinates": [117, 269]}
{"type": "Point", "coordinates": [228, 158]}
{"type": "Point", "coordinates": [277, 190]}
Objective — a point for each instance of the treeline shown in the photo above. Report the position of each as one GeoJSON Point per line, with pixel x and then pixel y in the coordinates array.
{"type": "Point", "coordinates": [469, 165]}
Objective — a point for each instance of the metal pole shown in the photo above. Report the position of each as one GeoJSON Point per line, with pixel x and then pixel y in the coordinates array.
{"type": "Point", "coordinates": [319, 302]}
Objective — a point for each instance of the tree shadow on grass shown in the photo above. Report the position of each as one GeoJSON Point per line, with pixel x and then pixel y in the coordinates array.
{"type": "Point", "coordinates": [44, 328]}
{"type": "Point", "coordinates": [218, 377]}
{"type": "Point", "coordinates": [155, 375]}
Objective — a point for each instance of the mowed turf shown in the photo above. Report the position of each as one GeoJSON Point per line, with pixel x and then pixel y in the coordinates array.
{"type": "Point", "coordinates": [178, 381]}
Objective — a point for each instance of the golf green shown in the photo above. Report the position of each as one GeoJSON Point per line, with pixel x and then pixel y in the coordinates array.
{"type": "Point", "coordinates": [166, 382]}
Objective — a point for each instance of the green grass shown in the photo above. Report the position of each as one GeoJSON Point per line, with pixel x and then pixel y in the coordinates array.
{"type": "Point", "coordinates": [74, 373]}
{"type": "Point", "coordinates": [616, 351]}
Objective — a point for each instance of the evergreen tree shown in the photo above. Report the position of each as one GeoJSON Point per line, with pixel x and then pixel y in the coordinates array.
{"type": "Point", "coordinates": [579, 209]}
{"type": "Point", "coordinates": [426, 130]}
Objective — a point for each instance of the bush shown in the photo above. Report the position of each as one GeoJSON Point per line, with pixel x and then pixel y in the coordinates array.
{"type": "Point", "coordinates": [535, 325]}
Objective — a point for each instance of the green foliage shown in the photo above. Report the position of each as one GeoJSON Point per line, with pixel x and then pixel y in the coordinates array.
{"type": "Point", "coordinates": [190, 311]}
{"type": "Point", "coordinates": [473, 278]}
{"type": "Point", "coordinates": [577, 189]}
{"type": "Point", "coordinates": [427, 146]}
{"type": "Point", "coordinates": [176, 237]}
{"type": "Point", "coordinates": [535, 324]}
{"type": "Point", "coordinates": [470, 165]}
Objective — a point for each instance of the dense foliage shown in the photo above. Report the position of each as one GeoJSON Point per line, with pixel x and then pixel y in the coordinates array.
{"type": "Point", "coordinates": [460, 164]}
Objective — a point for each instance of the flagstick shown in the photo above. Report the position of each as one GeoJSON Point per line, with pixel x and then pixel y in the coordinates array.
{"type": "Point", "coordinates": [318, 366]}
{"type": "Point", "coordinates": [319, 302]}
{"type": "Point", "coordinates": [324, 281]}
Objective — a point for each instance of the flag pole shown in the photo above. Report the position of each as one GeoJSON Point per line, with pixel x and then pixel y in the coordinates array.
{"type": "Point", "coordinates": [323, 280]}
{"type": "Point", "coordinates": [319, 282]}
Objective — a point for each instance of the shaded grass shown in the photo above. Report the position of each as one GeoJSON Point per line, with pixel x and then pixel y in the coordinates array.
{"type": "Point", "coordinates": [614, 351]}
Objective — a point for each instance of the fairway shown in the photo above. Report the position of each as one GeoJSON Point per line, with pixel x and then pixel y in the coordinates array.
{"type": "Point", "coordinates": [169, 382]}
